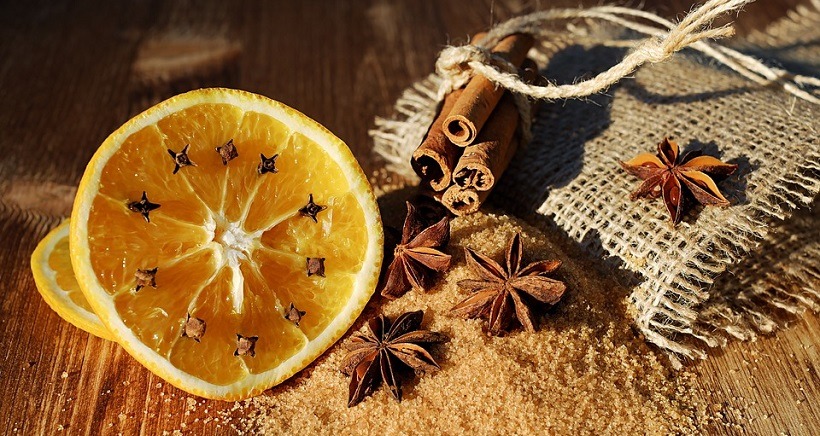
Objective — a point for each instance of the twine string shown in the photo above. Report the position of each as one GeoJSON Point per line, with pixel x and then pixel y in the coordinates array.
{"type": "Point", "coordinates": [457, 64]}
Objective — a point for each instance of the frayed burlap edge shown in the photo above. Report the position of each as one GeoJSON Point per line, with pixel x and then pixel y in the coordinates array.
{"type": "Point", "coordinates": [671, 312]}
{"type": "Point", "coordinates": [781, 280]}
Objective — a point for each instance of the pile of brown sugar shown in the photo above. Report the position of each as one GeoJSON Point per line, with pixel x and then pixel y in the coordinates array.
{"type": "Point", "coordinates": [584, 370]}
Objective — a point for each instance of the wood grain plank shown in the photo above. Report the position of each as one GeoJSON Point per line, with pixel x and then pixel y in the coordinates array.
{"type": "Point", "coordinates": [769, 386]}
{"type": "Point", "coordinates": [67, 76]}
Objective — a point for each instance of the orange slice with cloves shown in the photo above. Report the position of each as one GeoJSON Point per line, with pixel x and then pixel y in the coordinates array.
{"type": "Point", "coordinates": [194, 236]}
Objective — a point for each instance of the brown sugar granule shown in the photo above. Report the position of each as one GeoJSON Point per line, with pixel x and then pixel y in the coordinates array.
{"type": "Point", "coordinates": [583, 371]}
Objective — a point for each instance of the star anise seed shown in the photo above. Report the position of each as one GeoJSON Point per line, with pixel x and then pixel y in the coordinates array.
{"type": "Point", "coordinates": [245, 345]}
{"type": "Point", "coordinates": [143, 207]}
{"type": "Point", "coordinates": [227, 152]}
{"type": "Point", "coordinates": [294, 315]}
{"type": "Point", "coordinates": [316, 266]}
{"type": "Point", "coordinates": [311, 209]}
{"type": "Point", "coordinates": [383, 350]}
{"type": "Point", "coordinates": [146, 277]}
{"type": "Point", "coordinates": [267, 165]}
{"type": "Point", "coordinates": [498, 293]}
{"type": "Point", "coordinates": [194, 328]}
{"type": "Point", "coordinates": [181, 159]}
{"type": "Point", "coordinates": [667, 173]}
{"type": "Point", "coordinates": [418, 257]}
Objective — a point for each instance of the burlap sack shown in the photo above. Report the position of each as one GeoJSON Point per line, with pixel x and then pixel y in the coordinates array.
{"type": "Point", "coordinates": [723, 271]}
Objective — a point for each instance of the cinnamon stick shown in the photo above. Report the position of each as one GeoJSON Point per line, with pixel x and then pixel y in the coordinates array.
{"type": "Point", "coordinates": [436, 157]}
{"type": "Point", "coordinates": [483, 163]}
{"type": "Point", "coordinates": [463, 201]}
{"type": "Point", "coordinates": [481, 96]}
{"type": "Point", "coordinates": [480, 163]}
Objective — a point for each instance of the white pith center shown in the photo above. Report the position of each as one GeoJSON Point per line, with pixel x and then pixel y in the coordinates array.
{"type": "Point", "coordinates": [235, 245]}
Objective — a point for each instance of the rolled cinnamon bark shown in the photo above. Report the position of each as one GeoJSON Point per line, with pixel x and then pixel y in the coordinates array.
{"type": "Point", "coordinates": [481, 96]}
{"type": "Point", "coordinates": [436, 157]}
{"type": "Point", "coordinates": [463, 201]}
{"type": "Point", "coordinates": [480, 163]}
{"type": "Point", "coordinates": [483, 163]}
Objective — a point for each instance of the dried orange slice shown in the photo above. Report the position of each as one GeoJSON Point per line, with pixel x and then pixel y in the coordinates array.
{"type": "Point", "coordinates": [54, 277]}
{"type": "Point", "coordinates": [226, 240]}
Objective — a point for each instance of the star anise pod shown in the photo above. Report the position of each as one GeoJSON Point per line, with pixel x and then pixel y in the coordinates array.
{"type": "Point", "coordinates": [667, 173]}
{"type": "Point", "coordinates": [383, 350]}
{"type": "Point", "coordinates": [501, 293]}
{"type": "Point", "coordinates": [417, 257]}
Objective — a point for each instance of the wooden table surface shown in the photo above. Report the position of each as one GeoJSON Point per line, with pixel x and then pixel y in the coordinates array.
{"type": "Point", "coordinates": [72, 72]}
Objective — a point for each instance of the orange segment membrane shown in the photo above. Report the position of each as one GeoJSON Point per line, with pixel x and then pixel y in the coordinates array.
{"type": "Point", "coordinates": [212, 359]}
{"type": "Point", "coordinates": [121, 242]}
{"type": "Point", "coordinates": [258, 135]}
{"type": "Point", "coordinates": [147, 150]}
{"type": "Point", "coordinates": [156, 315]}
{"type": "Point", "coordinates": [230, 243]}
{"type": "Point", "coordinates": [300, 174]}
{"type": "Point", "coordinates": [339, 236]}
{"type": "Point", "coordinates": [203, 127]}
{"type": "Point", "coordinates": [320, 297]}
{"type": "Point", "coordinates": [264, 317]}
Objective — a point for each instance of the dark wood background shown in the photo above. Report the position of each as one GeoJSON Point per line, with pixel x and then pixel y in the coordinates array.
{"type": "Point", "coordinates": [72, 72]}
